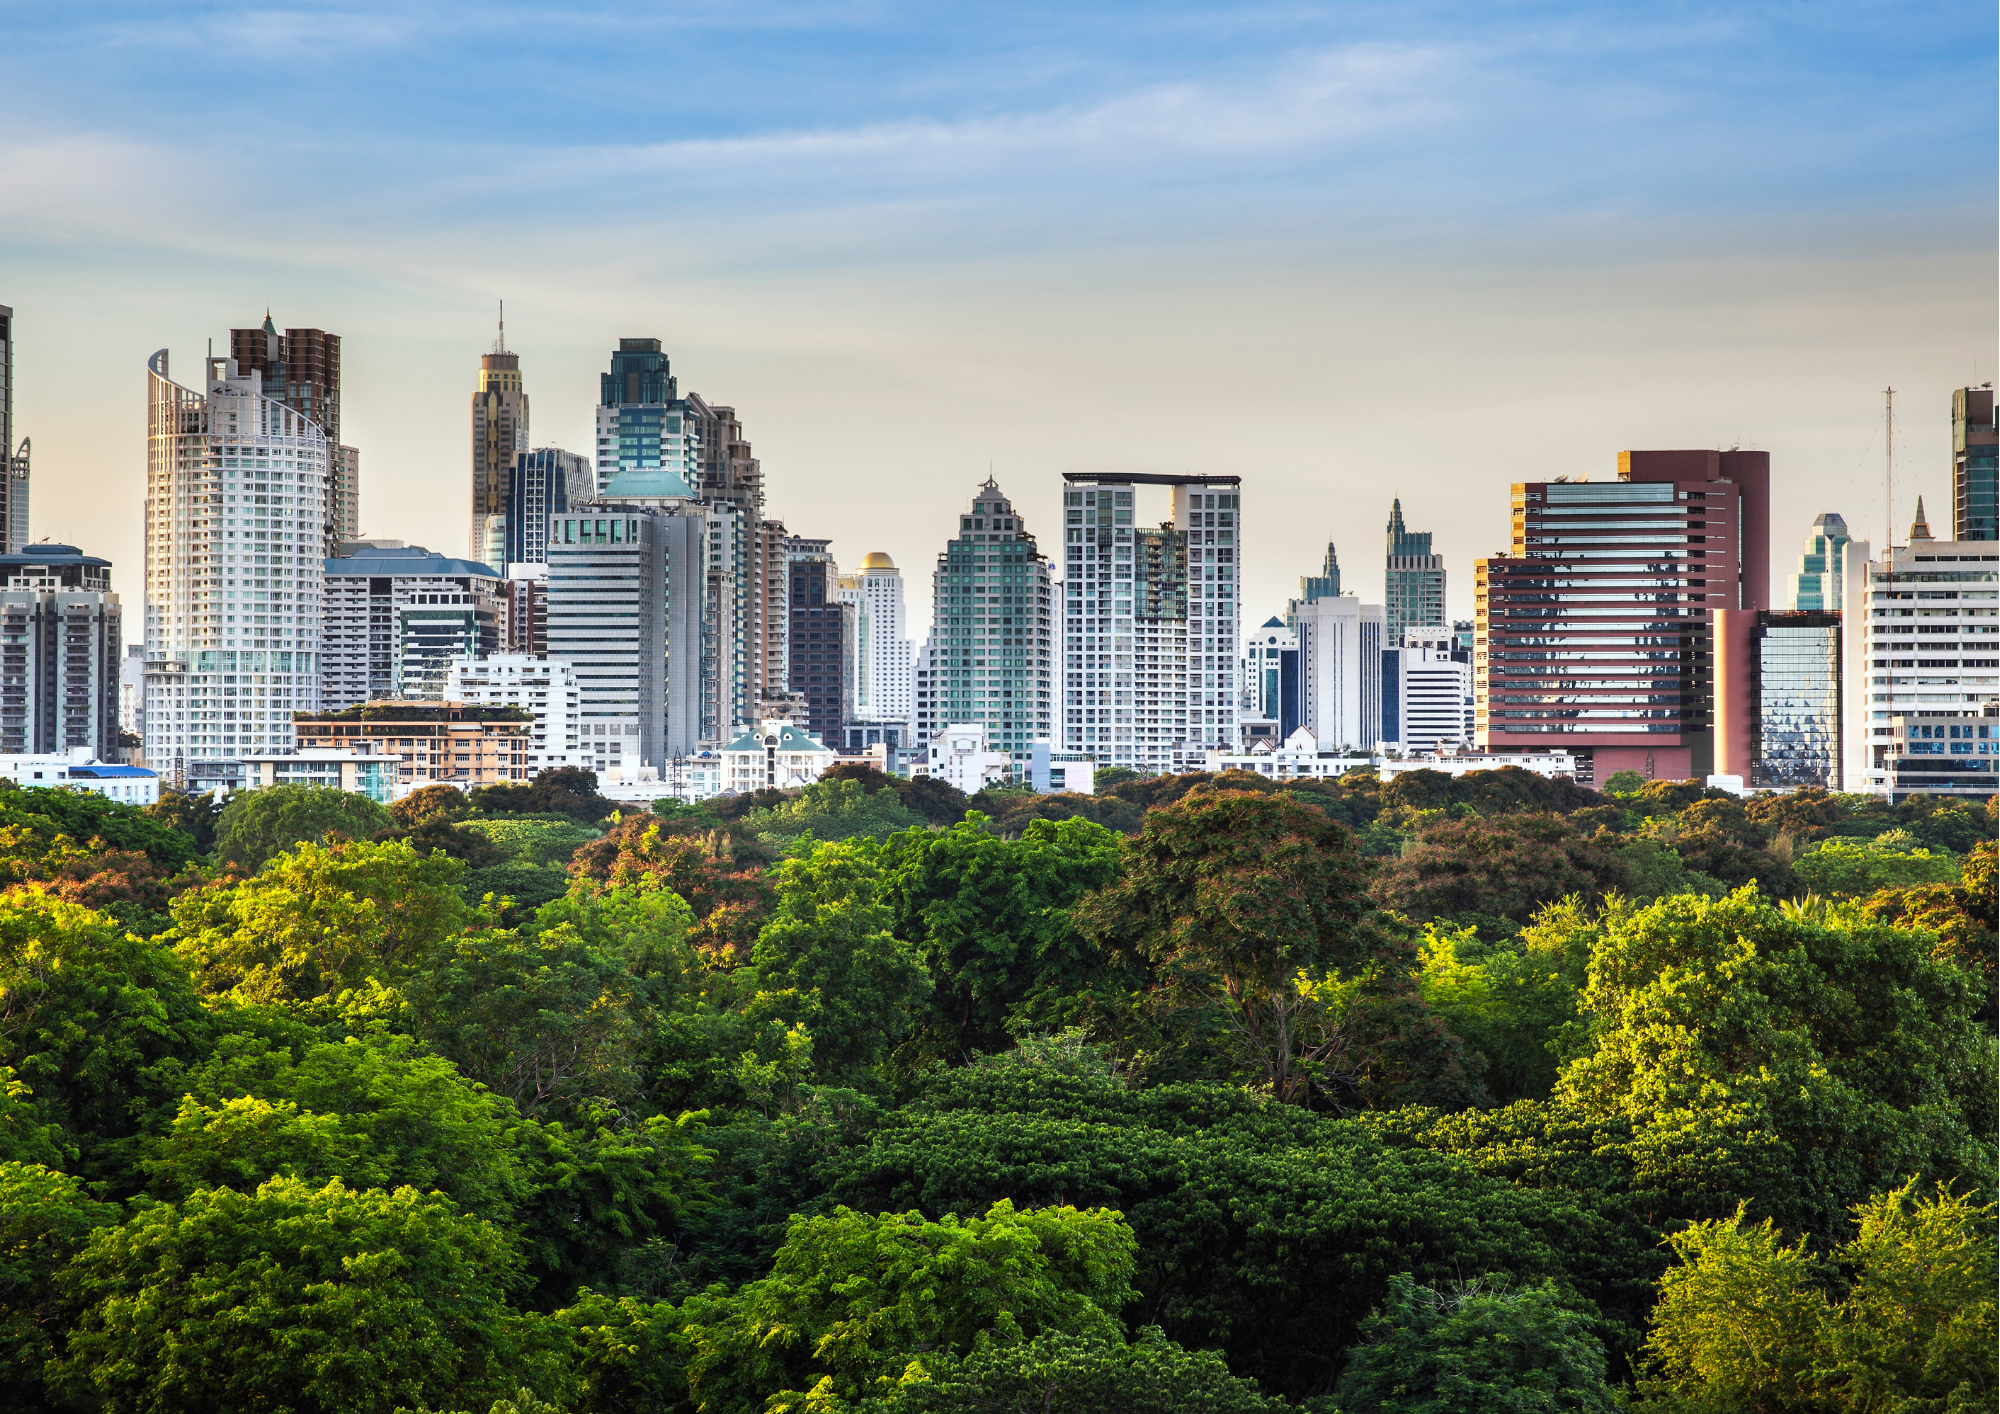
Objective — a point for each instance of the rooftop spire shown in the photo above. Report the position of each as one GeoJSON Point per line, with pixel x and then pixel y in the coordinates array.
{"type": "Point", "coordinates": [1920, 528]}
{"type": "Point", "coordinates": [500, 343]}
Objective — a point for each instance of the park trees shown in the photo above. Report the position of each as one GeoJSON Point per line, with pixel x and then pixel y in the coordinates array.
{"type": "Point", "coordinates": [260, 824]}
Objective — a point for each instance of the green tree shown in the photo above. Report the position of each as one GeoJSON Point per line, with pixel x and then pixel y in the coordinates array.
{"type": "Point", "coordinates": [1508, 866]}
{"type": "Point", "coordinates": [1480, 1347]}
{"type": "Point", "coordinates": [1067, 1372]}
{"type": "Point", "coordinates": [433, 802]}
{"type": "Point", "coordinates": [96, 1023]}
{"type": "Point", "coordinates": [293, 1296]}
{"type": "Point", "coordinates": [260, 824]}
{"type": "Point", "coordinates": [321, 920]}
{"type": "Point", "coordinates": [853, 1298]}
{"type": "Point", "coordinates": [1802, 1057]}
{"type": "Point", "coordinates": [1842, 868]}
{"type": "Point", "coordinates": [990, 919]}
{"type": "Point", "coordinates": [549, 839]}
{"type": "Point", "coordinates": [45, 1218]}
{"type": "Point", "coordinates": [829, 944]}
{"type": "Point", "coordinates": [560, 790]}
{"type": "Point", "coordinates": [1229, 897]}
{"type": "Point", "coordinates": [833, 810]}
{"type": "Point", "coordinates": [192, 814]}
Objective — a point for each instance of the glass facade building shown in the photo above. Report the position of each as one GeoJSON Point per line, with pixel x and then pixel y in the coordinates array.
{"type": "Point", "coordinates": [642, 424]}
{"type": "Point", "coordinates": [992, 654]}
{"type": "Point", "coordinates": [825, 638]}
{"type": "Point", "coordinates": [1975, 476]}
{"type": "Point", "coordinates": [1413, 580]}
{"type": "Point", "coordinates": [1795, 740]}
{"type": "Point", "coordinates": [546, 482]}
{"type": "Point", "coordinates": [1593, 635]}
{"type": "Point", "coordinates": [1816, 584]}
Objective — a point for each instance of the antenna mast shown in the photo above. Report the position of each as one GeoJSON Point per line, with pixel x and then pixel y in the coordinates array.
{"type": "Point", "coordinates": [1889, 464]}
{"type": "Point", "coordinates": [500, 344]}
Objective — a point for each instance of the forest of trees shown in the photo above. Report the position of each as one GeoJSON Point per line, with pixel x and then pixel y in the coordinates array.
{"type": "Point", "coordinates": [1201, 1095]}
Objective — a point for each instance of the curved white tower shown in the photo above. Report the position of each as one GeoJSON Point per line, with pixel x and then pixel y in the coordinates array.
{"type": "Point", "coordinates": [236, 487]}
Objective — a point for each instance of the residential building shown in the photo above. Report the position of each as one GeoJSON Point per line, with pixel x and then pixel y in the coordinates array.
{"type": "Point", "coordinates": [526, 592]}
{"type": "Point", "coordinates": [625, 591]}
{"type": "Point", "coordinates": [235, 555]}
{"type": "Point", "coordinates": [77, 769]}
{"type": "Point", "coordinates": [499, 436]}
{"type": "Point", "coordinates": [359, 772]}
{"type": "Point", "coordinates": [545, 482]}
{"type": "Point", "coordinates": [1778, 696]}
{"type": "Point", "coordinates": [1426, 692]}
{"type": "Point", "coordinates": [1150, 617]}
{"type": "Point", "coordinates": [768, 648]}
{"type": "Point", "coordinates": [301, 369]}
{"type": "Point", "coordinates": [1921, 666]}
{"type": "Point", "coordinates": [884, 691]}
{"type": "Point", "coordinates": [824, 636]}
{"type": "Point", "coordinates": [1060, 772]}
{"type": "Point", "coordinates": [962, 758]}
{"type": "Point", "coordinates": [547, 687]}
{"type": "Point", "coordinates": [693, 778]}
{"type": "Point", "coordinates": [1593, 631]}
{"type": "Point", "coordinates": [61, 639]}
{"type": "Point", "coordinates": [776, 755]}
{"type": "Point", "coordinates": [923, 691]}
{"type": "Point", "coordinates": [1340, 642]}
{"type": "Point", "coordinates": [132, 690]}
{"type": "Point", "coordinates": [14, 532]}
{"type": "Point", "coordinates": [1817, 584]}
{"type": "Point", "coordinates": [1298, 757]}
{"type": "Point", "coordinates": [395, 618]}
{"type": "Point", "coordinates": [1413, 593]}
{"type": "Point", "coordinates": [1975, 474]}
{"type": "Point", "coordinates": [729, 481]}
{"type": "Point", "coordinates": [454, 743]}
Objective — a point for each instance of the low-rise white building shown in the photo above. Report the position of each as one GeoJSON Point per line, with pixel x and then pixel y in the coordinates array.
{"type": "Point", "coordinates": [79, 770]}
{"type": "Point", "coordinates": [1460, 763]}
{"type": "Point", "coordinates": [1061, 772]}
{"type": "Point", "coordinates": [368, 773]}
{"type": "Point", "coordinates": [693, 778]}
{"type": "Point", "coordinates": [779, 755]}
{"type": "Point", "coordinates": [545, 686]}
{"type": "Point", "coordinates": [1298, 757]}
{"type": "Point", "coordinates": [960, 757]}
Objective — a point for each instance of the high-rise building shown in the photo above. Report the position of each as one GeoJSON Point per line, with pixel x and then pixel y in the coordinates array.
{"type": "Point", "coordinates": [729, 480]}
{"type": "Point", "coordinates": [546, 687]}
{"type": "Point", "coordinates": [1326, 583]}
{"type": "Point", "coordinates": [527, 597]}
{"type": "Point", "coordinates": [824, 638]}
{"type": "Point", "coordinates": [923, 679]}
{"type": "Point", "coordinates": [1271, 672]}
{"type": "Point", "coordinates": [499, 436]}
{"type": "Point", "coordinates": [395, 618]}
{"type": "Point", "coordinates": [301, 369]}
{"type": "Point", "coordinates": [642, 423]}
{"type": "Point", "coordinates": [883, 688]}
{"type": "Point", "coordinates": [1340, 670]}
{"type": "Point", "coordinates": [1975, 474]}
{"type": "Point", "coordinates": [61, 631]}
{"type": "Point", "coordinates": [1816, 584]}
{"type": "Point", "coordinates": [1150, 617]}
{"type": "Point", "coordinates": [1778, 696]}
{"type": "Point", "coordinates": [14, 531]}
{"type": "Point", "coordinates": [991, 655]}
{"type": "Point", "coordinates": [625, 590]}
{"type": "Point", "coordinates": [545, 482]}
{"type": "Point", "coordinates": [1921, 668]}
{"type": "Point", "coordinates": [1413, 579]}
{"type": "Point", "coordinates": [771, 620]}
{"type": "Point", "coordinates": [235, 515]}
{"type": "Point", "coordinates": [1593, 632]}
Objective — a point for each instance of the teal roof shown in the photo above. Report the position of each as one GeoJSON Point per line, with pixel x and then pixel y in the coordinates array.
{"type": "Point", "coordinates": [790, 738]}
{"type": "Point", "coordinates": [635, 482]}
{"type": "Point", "coordinates": [1274, 622]}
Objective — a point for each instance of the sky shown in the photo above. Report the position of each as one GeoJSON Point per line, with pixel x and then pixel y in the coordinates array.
{"type": "Point", "coordinates": [1347, 252]}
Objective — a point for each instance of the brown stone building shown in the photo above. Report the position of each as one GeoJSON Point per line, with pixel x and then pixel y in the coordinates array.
{"type": "Point", "coordinates": [461, 745]}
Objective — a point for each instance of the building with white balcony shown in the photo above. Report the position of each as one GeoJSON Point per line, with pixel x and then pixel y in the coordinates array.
{"type": "Point", "coordinates": [778, 755]}
{"type": "Point", "coordinates": [960, 757]}
{"type": "Point", "coordinates": [546, 687]}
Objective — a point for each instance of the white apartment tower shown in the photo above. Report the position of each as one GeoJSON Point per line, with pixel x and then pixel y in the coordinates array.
{"type": "Point", "coordinates": [545, 686]}
{"type": "Point", "coordinates": [890, 668]}
{"type": "Point", "coordinates": [236, 487]}
{"type": "Point", "coordinates": [1340, 670]}
{"type": "Point", "coordinates": [1150, 618]}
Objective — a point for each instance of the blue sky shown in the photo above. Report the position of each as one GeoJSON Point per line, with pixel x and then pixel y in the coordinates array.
{"type": "Point", "coordinates": [1346, 251]}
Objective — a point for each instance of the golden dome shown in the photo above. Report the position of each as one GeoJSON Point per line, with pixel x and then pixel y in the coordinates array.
{"type": "Point", "coordinates": [876, 560]}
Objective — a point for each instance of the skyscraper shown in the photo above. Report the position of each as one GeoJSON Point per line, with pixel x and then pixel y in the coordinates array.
{"type": "Point", "coordinates": [235, 515]}
{"type": "Point", "coordinates": [1150, 618]}
{"type": "Point", "coordinates": [1326, 583]}
{"type": "Point", "coordinates": [14, 531]}
{"type": "Point", "coordinates": [992, 659]}
{"type": "Point", "coordinates": [546, 482]}
{"type": "Point", "coordinates": [1975, 475]}
{"type": "Point", "coordinates": [60, 652]}
{"type": "Point", "coordinates": [1816, 585]}
{"type": "Point", "coordinates": [1593, 632]}
{"type": "Point", "coordinates": [301, 369]}
{"type": "Point", "coordinates": [1413, 579]}
{"type": "Point", "coordinates": [1340, 670]}
{"type": "Point", "coordinates": [824, 633]}
{"type": "Point", "coordinates": [886, 691]}
{"type": "Point", "coordinates": [1778, 696]}
{"type": "Point", "coordinates": [395, 617]}
{"type": "Point", "coordinates": [499, 436]}
{"type": "Point", "coordinates": [642, 424]}
{"type": "Point", "coordinates": [729, 480]}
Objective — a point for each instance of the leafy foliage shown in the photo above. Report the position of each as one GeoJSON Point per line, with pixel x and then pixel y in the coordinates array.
{"type": "Point", "coordinates": [560, 790]}
{"type": "Point", "coordinates": [258, 825]}
{"type": "Point", "coordinates": [1840, 868]}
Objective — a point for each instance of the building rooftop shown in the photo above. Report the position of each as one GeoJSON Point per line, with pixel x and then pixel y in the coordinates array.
{"type": "Point", "coordinates": [645, 483]}
{"type": "Point", "coordinates": [406, 561]}
{"type": "Point", "coordinates": [49, 554]}
{"type": "Point", "coordinates": [877, 560]}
